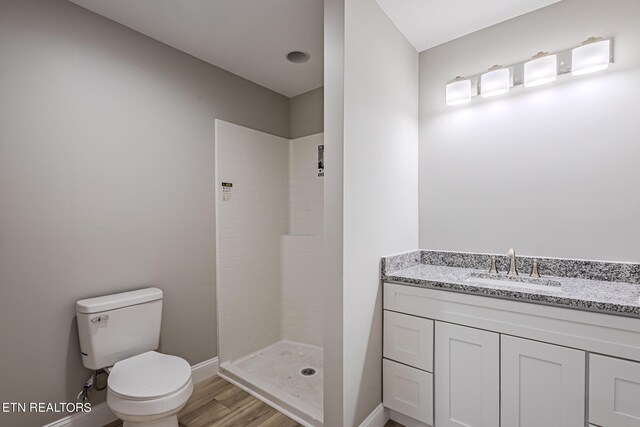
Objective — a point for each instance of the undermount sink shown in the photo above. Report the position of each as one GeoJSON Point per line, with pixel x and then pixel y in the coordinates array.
{"type": "Point", "coordinates": [513, 281]}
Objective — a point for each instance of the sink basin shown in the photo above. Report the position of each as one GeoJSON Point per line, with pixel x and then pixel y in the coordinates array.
{"type": "Point", "coordinates": [488, 279]}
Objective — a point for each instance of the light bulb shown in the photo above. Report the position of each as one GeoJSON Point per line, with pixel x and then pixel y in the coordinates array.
{"type": "Point", "coordinates": [496, 82]}
{"type": "Point", "coordinates": [458, 92]}
{"type": "Point", "coordinates": [542, 69]}
{"type": "Point", "coordinates": [594, 55]}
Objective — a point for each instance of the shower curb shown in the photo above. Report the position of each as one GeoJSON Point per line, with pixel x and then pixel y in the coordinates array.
{"type": "Point", "coordinates": [265, 400]}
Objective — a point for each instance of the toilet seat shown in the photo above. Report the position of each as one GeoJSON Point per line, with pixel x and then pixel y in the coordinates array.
{"type": "Point", "coordinates": [149, 385]}
{"type": "Point", "coordinates": [149, 375]}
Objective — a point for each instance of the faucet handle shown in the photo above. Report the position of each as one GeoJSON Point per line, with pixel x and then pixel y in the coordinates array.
{"type": "Point", "coordinates": [493, 268]}
{"type": "Point", "coordinates": [534, 269]}
{"type": "Point", "coordinates": [513, 270]}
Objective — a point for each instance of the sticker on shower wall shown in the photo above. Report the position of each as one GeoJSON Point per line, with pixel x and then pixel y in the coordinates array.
{"type": "Point", "coordinates": [227, 189]}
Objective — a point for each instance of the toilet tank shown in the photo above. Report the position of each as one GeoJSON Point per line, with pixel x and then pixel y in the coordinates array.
{"type": "Point", "coordinates": [115, 327]}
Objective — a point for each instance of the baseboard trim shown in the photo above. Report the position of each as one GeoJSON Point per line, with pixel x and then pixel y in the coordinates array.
{"type": "Point", "coordinates": [205, 370]}
{"type": "Point", "coordinates": [406, 420]}
{"type": "Point", "coordinates": [101, 414]}
{"type": "Point", "coordinates": [265, 400]}
{"type": "Point", "coordinates": [377, 418]}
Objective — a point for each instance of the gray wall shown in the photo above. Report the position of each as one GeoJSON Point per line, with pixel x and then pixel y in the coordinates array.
{"type": "Point", "coordinates": [106, 185]}
{"type": "Point", "coordinates": [307, 111]}
{"type": "Point", "coordinates": [551, 171]}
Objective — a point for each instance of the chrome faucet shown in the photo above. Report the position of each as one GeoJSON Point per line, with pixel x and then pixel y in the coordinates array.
{"type": "Point", "coordinates": [513, 271]}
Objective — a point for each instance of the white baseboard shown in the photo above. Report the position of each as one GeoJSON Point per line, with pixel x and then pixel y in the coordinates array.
{"type": "Point", "coordinates": [405, 420]}
{"type": "Point", "coordinates": [377, 418]}
{"type": "Point", "coordinates": [204, 370]}
{"type": "Point", "coordinates": [101, 414]}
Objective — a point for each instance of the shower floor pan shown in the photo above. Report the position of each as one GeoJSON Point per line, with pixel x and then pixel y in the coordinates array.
{"type": "Point", "coordinates": [282, 375]}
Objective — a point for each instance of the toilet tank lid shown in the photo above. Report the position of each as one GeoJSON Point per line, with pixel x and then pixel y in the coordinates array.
{"type": "Point", "coordinates": [115, 301]}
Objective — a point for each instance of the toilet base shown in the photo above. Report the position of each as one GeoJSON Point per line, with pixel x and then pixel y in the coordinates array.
{"type": "Point", "coordinates": [170, 421]}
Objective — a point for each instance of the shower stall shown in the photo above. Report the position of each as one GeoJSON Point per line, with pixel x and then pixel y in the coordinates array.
{"type": "Point", "coordinates": [269, 249]}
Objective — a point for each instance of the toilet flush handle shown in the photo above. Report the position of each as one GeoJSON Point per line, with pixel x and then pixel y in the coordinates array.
{"type": "Point", "coordinates": [99, 319]}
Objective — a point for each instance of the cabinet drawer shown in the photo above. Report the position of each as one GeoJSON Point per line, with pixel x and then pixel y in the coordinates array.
{"type": "Point", "coordinates": [408, 340]}
{"type": "Point", "coordinates": [408, 391]}
{"type": "Point", "coordinates": [614, 392]}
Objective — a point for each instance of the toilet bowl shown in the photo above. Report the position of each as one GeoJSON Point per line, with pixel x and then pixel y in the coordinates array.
{"type": "Point", "coordinates": [149, 389]}
{"type": "Point", "coordinates": [120, 333]}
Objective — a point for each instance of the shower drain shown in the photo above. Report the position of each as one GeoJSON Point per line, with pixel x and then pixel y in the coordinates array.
{"type": "Point", "coordinates": [307, 372]}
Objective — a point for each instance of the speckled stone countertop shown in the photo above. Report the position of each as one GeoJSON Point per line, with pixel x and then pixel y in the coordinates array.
{"type": "Point", "coordinates": [606, 287]}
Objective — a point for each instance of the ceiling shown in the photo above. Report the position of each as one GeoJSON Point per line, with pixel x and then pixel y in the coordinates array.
{"type": "Point", "coordinates": [249, 38]}
{"type": "Point", "coordinates": [428, 23]}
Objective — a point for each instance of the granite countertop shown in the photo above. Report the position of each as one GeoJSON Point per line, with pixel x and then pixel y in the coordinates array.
{"type": "Point", "coordinates": [451, 271]}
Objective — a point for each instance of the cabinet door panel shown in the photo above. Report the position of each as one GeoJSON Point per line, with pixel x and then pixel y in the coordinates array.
{"type": "Point", "coordinates": [407, 390]}
{"type": "Point", "coordinates": [408, 340]}
{"type": "Point", "coordinates": [467, 375]}
{"type": "Point", "coordinates": [542, 384]}
{"type": "Point", "coordinates": [614, 392]}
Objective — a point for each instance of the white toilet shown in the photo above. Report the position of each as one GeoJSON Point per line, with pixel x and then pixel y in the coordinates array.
{"type": "Point", "coordinates": [118, 333]}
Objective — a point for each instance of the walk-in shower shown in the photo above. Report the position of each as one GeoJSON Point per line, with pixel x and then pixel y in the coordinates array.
{"type": "Point", "coordinates": [269, 246]}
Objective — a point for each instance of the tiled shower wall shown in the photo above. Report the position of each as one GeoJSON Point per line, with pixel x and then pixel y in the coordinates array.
{"type": "Point", "coordinates": [302, 249]}
{"type": "Point", "coordinates": [306, 188]}
{"type": "Point", "coordinates": [249, 227]}
{"type": "Point", "coordinates": [269, 236]}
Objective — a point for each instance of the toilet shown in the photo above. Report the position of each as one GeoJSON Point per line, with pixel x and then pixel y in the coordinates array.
{"type": "Point", "coordinates": [120, 333]}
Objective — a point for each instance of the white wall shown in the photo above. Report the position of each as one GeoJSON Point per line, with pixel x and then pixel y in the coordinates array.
{"type": "Point", "coordinates": [550, 171]}
{"type": "Point", "coordinates": [306, 188]}
{"type": "Point", "coordinates": [302, 249]}
{"type": "Point", "coordinates": [249, 228]}
{"type": "Point", "coordinates": [333, 215]}
{"type": "Point", "coordinates": [302, 289]}
{"type": "Point", "coordinates": [380, 187]}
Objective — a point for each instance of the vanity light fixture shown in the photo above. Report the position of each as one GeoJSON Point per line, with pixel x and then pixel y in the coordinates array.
{"type": "Point", "coordinates": [593, 55]}
{"type": "Point", "coordinates": [541, 69]}
{"type": "Point", "coordinates": [459, 91]}
{"type": "Point", "coordinates": [495, 82]}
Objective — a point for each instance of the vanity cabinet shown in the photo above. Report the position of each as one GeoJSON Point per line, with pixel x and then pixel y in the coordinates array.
{"type": "Point", "coordinates": [453, 360]}
{"type": "Point", "coordinates": [542, 384]}
{"type": "Point", "coordinates": [467, 376]}
{"type": "Point", "coordinates": [614, 392]}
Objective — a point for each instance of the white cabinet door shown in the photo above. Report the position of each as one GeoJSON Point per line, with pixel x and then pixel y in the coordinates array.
{"type": "Point", "coordinates": [407, 390]}
{"type": "Point", "coordinates": [467, 377]}
{"type": "Point", "coordinates": [542, 384]}
{"type": "Point", "coordinates": [408, 340]}
{"type": "Point", "coordinates": [614, 392]}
